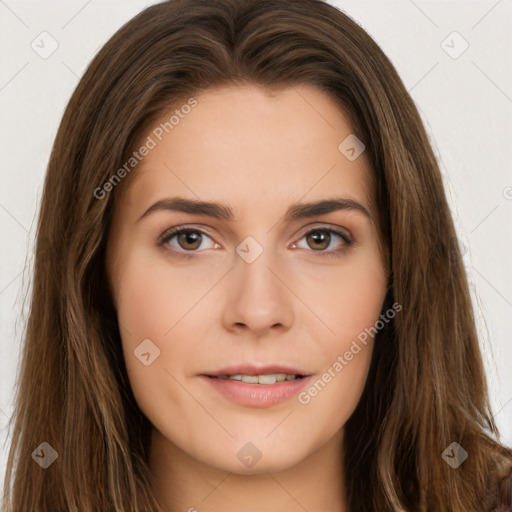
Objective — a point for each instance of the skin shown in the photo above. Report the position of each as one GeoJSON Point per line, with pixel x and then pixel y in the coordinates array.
{"type": "Point", "coordinates": [292, 305]}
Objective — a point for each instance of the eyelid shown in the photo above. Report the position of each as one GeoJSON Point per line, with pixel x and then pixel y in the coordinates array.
{"type": "Point", "coordinates": [168, 233]}
{"type": "Point", "coordinates": [323, 226]}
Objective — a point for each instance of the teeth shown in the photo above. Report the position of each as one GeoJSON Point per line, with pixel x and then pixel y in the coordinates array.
{"type": "Point", "coordinates": [270, 378]}
{"type": "Point", "coordinates": [251, 379]}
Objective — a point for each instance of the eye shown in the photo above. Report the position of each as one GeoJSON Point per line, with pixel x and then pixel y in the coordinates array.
{"type": "Point", "coordinates": [319, 239]}
{"type": "Point", "coordinates": [184, 239]}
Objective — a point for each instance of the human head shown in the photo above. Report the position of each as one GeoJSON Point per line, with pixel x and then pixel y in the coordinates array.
{"type": "Point", "coordinates": [178, 50]}
{"type": "Point", "coordinates": [215, 306]}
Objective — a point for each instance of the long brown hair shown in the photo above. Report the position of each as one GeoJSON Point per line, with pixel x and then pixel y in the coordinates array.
{"type": "Point", "coordinates": [426, 387]}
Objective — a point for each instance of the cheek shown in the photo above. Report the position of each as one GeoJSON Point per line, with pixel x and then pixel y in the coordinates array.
{"type": "Point", "coordinates": [152, 307]}
{"type": "Point", "coordinates": [352, 314]}
{"type": "Point", "coordinates": [359, 300]}
{"type": "Point", "coordinates": [163, 303]}
{"type": "Point", "coordinates": [345, 298]}
{"type": "Point", "coordinates": [348, 299]}
{"type": "Point", "coordinates": [334, 394]}
{"type": "Point", "coordinates": [153, 294]}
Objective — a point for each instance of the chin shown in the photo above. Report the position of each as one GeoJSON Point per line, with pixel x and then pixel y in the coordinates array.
{"type": "Point", "coordinates": [263, 466]}
{"type": "Point", "coordinates": [244, 457]}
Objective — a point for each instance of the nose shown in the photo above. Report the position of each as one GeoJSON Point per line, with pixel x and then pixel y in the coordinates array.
{"type": "Point", "coordinates": [258, 296]}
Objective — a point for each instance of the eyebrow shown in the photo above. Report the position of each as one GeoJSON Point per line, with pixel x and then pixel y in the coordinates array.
{"type": "Point", "coordinates": [220, 211]}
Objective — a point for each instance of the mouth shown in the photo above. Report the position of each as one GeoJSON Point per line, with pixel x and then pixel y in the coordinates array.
{"type": "Point", "coordinates": [257, 388]}
{"type": "Point", "coordinates": [259, 379]}
{"type": "Point", "coordinates": [265, 374]}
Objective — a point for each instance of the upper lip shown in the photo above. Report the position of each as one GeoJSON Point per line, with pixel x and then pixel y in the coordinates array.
{"type": "Point", "coordinates": [255, 369]}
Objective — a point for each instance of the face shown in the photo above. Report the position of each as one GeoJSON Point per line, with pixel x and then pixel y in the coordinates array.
{"type": "Point", "coordinates": [272, 288]}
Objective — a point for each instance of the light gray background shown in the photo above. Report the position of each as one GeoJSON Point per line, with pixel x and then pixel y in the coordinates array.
{"type": "Point", "coordinates": [465, 102]}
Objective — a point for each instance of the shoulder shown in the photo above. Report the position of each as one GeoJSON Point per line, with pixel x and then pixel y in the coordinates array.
{"type": "Point", "coordinates": [504, 494]}
{"type": "Point", "coordinates": [501, 496]}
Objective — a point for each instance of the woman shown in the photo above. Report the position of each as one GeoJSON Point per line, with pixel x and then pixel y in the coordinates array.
{"type": "Point", "coordinates": [261, 371]}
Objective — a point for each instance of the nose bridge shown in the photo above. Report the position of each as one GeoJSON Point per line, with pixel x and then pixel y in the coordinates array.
{"type": "Point", "coordinates": [258, 298]}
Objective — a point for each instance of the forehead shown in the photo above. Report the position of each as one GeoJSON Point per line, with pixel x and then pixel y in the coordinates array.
{"type": "Point", "coordinates": [247, 144]}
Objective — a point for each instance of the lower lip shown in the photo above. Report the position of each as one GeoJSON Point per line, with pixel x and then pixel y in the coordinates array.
{"type": "Point", "coordinates": [257, 395]}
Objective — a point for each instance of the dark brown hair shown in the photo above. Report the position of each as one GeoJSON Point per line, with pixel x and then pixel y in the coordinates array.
{"type": "Point", "coordinates": [426, 386]}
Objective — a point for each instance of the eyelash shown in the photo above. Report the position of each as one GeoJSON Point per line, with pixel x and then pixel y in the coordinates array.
{"type": "Point", "coordinates": [167, 235]}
